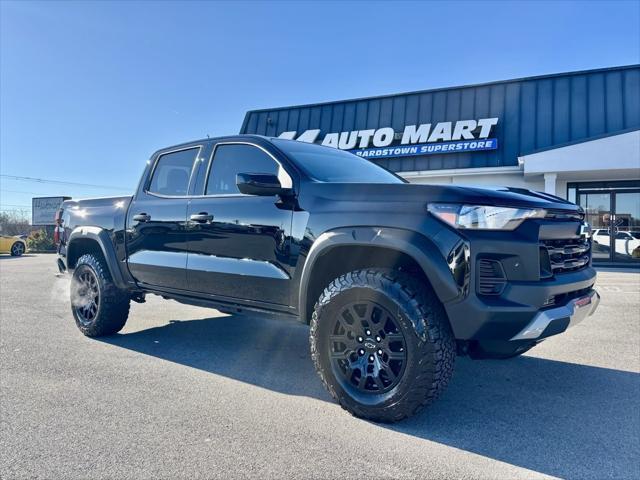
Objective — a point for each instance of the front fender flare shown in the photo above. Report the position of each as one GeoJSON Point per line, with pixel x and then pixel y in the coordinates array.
{"type": "Point", "coordinates": [103, 239]}
{"type": "Point", "coordinates": [417, 246]}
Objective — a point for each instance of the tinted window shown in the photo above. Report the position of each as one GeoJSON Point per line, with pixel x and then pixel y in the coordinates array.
{"type": "Point", "coordinates": [229, 160]}
{"type": "Point", "coordinates": [172, 172]}
{"type": "Point", "coordinates": [326, 164]}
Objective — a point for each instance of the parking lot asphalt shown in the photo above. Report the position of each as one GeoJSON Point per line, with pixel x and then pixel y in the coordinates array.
{"type": "Point", "coordinates": [186, 392]}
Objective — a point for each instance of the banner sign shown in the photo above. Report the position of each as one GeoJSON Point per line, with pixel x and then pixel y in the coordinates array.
{"type": "Point", "coordinates": [429, 149]}
{"type": "Point", "coordinates": [445, 137]}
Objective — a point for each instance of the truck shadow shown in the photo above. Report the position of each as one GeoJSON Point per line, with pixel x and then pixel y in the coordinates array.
{"type": "Point", "coordinates": [553, 417]}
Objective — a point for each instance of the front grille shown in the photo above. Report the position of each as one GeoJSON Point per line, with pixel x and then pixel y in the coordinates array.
{"type": "Point", "coordinates": [563, 215]}
{"type": "Point", "coordinates": [563, 298]}
{"type": "Point", "coordinates": [491, 277]}
{"type": "Point", "coordinates": [559, 256]}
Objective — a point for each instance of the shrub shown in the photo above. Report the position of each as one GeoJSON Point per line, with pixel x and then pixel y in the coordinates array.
{"type": "Point", "coordinates": [40, 240]}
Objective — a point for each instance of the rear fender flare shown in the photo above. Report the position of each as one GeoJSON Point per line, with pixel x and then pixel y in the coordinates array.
{"type": "Point", "coordinates": [103, 238]}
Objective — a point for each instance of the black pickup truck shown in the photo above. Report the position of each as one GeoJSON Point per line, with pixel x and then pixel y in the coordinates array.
{"type": "Point", "coordinates": [395, 279]}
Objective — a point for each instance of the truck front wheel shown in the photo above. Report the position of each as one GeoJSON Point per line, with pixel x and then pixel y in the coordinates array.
{"type": "Point", "coordinates": [382, 344]}
{"type": "Point", "coordinates": [99, 307]}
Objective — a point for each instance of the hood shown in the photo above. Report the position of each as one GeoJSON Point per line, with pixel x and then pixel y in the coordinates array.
{"type": "Point", "coordinates": [476, 195]}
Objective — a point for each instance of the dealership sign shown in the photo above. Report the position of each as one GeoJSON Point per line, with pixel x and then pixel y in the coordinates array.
{"type": "Point", "coordinates": [43, 209]}
{"type": "Point", "coordinates": [444, 137]}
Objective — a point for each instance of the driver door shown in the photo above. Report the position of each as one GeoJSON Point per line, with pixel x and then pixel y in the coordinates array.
{"type": "Point", "coordinates": [239, 244]}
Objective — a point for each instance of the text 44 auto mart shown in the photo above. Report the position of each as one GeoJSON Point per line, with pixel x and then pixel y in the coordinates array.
{"type": "Point", "coordinates": [575, 135]}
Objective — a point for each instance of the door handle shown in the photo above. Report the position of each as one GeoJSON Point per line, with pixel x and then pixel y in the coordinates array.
{"type": "Point", "coordinates": [201, 217]}
{"type": "Point", "coordinates": [141, 217]}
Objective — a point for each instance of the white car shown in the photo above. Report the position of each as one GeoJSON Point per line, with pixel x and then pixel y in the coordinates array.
{"type": "Point", "coordinates": [626, 242]}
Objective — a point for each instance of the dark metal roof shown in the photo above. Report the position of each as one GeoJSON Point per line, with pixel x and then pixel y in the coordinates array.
{"type": "Point", "coordinates": [535, 113]}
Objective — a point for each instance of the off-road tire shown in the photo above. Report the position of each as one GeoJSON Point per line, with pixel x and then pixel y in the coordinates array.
{"type": "Point", "coordinates": [431, 347]}
{"type": "Point", "coordinates": [112, 306]}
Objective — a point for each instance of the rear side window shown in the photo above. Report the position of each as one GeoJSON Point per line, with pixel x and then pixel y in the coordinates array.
{"type": "Point", "coordinates": [172, 172]}
{"type": "Point", "coordinates": [231, 159]}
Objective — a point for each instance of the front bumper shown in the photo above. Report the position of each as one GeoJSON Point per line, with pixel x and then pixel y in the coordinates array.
{"type": "Point", "coordinates": [518, 319]}
{"type": "Point", "coordinates": [557, 320]}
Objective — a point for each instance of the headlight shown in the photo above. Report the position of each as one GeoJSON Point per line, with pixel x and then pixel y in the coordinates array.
{"type": "Point", "coordinates": [482, 217]}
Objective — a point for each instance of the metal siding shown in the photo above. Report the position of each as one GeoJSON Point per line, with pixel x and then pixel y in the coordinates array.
{"type": "Point", "coordinates": [453, 113]}
{"type": "Point", "coordinates": [398, 111]}
{"type": "Point", "coordinates": [561, 111]}
{"type": "Point", "coordinates": [314, 117]}
{"type": "Point", "coordinates": [596, 105]}
{"type": "Point", "coordinates": [326, 111]}
{"type": "Point", "coordinates": [467, 111]}
{"type": "Point", "coordinates": [511, 127]}
{"type": "Point", "coordinates": [262, 123]}
{"type": "Point", "coordinates": [615, 107]}
{"type": "Point", "coordinates": [425, 108]}
{"type": "Point", "coordinates": [294, 120]}
{"type": "Point", "coordinates": [373, 117]}
{"type": "Point", "coordinates": [251, 124]}
{"type": "Point", "coordinates": [528, 108]}
{"type": "Point", "coordinates": [544, 113]}
{"type": "Point", "coordinates": [283, 120]}
{"type": "Point", "coordinates": [631, 88]}
{"type": "Point", "coordinates": [337, 119]}
{"type": "Point", "coordinates": [361, 116]}
{"type": "Point", "coordinates": [482, 109]}
{"type": "Point", "coordinates": [303, 121]}
{"type": "Point", "coordinates": [412, 109]}
{"type": "Point", "coordinates": [578, 107]}
{"type": "Point", "coordinates": [534, 114]}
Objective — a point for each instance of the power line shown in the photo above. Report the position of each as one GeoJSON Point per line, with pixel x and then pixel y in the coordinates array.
{"type": "Point", "coordinates": [60, 182]}
{"type": "Point", "coordinates": [28, 193]}
{"type": "Point", "coordinates": [14, 205]}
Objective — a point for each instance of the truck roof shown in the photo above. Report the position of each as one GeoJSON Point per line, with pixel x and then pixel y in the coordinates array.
{"type": "Point", "coordinates": [242, 136]}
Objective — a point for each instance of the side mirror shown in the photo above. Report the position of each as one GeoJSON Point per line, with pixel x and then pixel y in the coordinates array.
{"type": "Point", "coordinates": [263, 184]}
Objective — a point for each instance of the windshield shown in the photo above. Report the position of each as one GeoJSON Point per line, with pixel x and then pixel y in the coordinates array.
{"type": "Point", "coordinates": [327, 164]}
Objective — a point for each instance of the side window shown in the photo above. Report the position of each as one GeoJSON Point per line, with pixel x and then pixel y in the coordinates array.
{"type": "Point", "coordinates": [229, 160]}
{"type": "Point", "coordinates": [172, 172]}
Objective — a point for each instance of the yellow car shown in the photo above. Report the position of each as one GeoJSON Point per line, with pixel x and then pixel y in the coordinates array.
{"type": "Point", "coordinates": [13, 245]}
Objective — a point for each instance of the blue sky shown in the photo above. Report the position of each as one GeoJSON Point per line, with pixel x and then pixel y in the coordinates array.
{"type": "Point", "coordinates": [90, 89]}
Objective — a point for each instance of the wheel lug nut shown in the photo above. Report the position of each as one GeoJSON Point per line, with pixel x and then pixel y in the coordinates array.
{"type": "Point", "coordinates": [361, 352]}
{"type": "Point", "coordinates": [371, 358]}
{"type": "Point", "coordinates": [360, 339]}
{"type": "Point", "coordinates": [378, 339]}
{"type": "Point", "coordinates": [379, 352]}
{"type": "Point", "coordinates": [368, 332]}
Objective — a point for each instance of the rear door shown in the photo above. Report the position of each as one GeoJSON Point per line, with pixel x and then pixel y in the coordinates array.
{"type": "Point", "coordinates": [157, 220]}
{"type": "Point", "coordinates": [239, 244]}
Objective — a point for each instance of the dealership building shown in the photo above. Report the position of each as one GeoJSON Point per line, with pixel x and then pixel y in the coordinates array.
{"type": "Point", "coordinates": [575, 135]}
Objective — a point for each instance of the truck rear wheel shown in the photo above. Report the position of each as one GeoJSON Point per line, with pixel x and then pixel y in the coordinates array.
{"type": "Point", "coordinates": [99, 307]}
{"type": "Point", "coordinates": [382, 344]}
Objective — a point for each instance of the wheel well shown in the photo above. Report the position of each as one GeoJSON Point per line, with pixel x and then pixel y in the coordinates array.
{"type": "Point", "coordinates": [343, 259]}
{"type": "Point", "coordinates": [81, 246]}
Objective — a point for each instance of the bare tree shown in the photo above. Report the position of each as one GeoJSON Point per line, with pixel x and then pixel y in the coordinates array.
{"type": "Point", "coordinates": [14, 222]}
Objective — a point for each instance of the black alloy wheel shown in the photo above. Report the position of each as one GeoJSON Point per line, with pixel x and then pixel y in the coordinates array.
{"type": "Point", "coordinates": [99, 307]}
{"type": "Point", "coordinates": [367, 348]}
{"type": "Point", "coordinates": [381, 343]}
{"type": "Point", "coordinates": [87, 297]}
